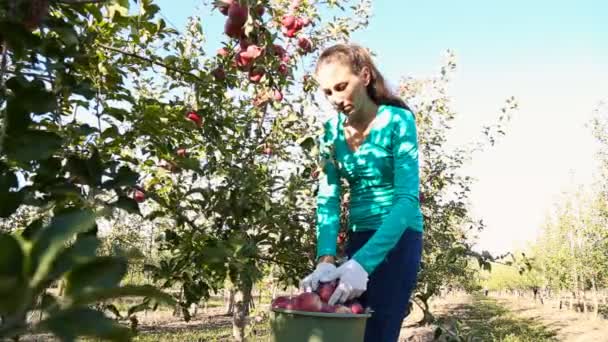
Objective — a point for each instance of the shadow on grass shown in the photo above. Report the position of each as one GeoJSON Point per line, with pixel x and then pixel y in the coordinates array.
{"type": "Point", "coordinates": [485, 320]}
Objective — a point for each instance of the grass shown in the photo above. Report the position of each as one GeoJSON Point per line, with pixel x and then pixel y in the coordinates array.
{"type": "Point", "coordinates": [486, 320]}
{"type": "Point", "coordinates": [260, 332]}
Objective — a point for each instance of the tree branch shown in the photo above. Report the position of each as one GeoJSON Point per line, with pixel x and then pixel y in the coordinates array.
{"type": "Point", "coordinates": [151, 61]}
{"type": "Point", "coordinates": [3, 64]}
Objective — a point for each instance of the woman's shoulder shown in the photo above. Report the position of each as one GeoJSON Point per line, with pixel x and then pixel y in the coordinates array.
{"type": "Point", "coordinates": [397, 114]}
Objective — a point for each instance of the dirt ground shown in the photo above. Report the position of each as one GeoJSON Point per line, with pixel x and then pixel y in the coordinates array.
{"type": "Point", "coordinates": [509, 319]}
{"type": "Point", "coordinates": [480, 319]}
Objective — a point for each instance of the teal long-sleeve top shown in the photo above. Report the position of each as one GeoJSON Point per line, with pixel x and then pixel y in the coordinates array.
{"type": "Point", "coordinates": [383, 178]}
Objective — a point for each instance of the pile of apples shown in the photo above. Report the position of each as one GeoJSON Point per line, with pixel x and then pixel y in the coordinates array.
{"type": "Point", "coordinates": [317, 302]}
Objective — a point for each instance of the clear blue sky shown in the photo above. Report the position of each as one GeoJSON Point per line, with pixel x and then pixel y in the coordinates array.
{"type": "Point", "coordinates": [551, 54]}
{"type": "Point", "coordinates": [409, 35]}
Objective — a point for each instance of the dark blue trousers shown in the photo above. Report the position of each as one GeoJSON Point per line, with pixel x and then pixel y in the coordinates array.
{"type": "Point", "coordinates": [390, 284]}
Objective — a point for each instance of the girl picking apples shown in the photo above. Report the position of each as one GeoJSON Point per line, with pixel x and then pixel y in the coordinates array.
{"type": "Point", "coordinates": [372, 143]}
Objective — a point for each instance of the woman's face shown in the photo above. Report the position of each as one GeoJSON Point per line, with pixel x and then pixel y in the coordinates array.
{"type": "Point", "coordinates": [345, 90]}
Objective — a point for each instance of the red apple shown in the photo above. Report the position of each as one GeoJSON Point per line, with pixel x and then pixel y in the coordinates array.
{"type": "Point", "coordinates": [259, 10]}
{"type": "Point", "coordinates": [195, 118]}
{"type": "Point", "coordinates": [305, 44]}
{"type": "Point", "coordinates": [356, 308]}
{"type": "Point", "coordinates": [254, 51]}
{"type": "Point", "coordinates": [279, 51]}
{"type": "Point", "coordinates": [223, 5]}
{"type": "Point", "coordinates": [283, 69]}
{"type": "Point", "coordinates": [255, 75]}
{"type": "Point", "coordinates": [328, 308]}
{"type": "Point", "coordinates": [308, 301]}
{"type": "Point", "coordinates": [298, 24]}
{"type": "Point", "coordinates": [289, 32]}
{"type": "Point", "coordinates": [288, 21]}
{"type": "Point", "coordinates": [222, 52]}
{"type": "Point", "coordinates": [219, 73]}
{"type": "Point", "coordinates": [325, 290]}
{"type": "Point", "coordinates": [267, 150]}
{"type": "Point", "coordinates": [233, 29]}
{"type": "Point", "coordinates": [139, 196]}
{"type": "Point", "coordinates": [238, 13]}
{"type": "Point", "coordinates": [281, 302]}
{"type": "Point", "coordinates": [181, 152]}
{"type": "Point", "coordinates": [278, 96]}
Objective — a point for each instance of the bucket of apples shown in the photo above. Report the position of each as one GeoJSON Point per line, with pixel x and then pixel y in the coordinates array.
{"type": "Point", "coordinates": [308, 317]}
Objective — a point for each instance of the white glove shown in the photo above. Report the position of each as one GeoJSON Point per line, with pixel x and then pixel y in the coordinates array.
{"type": "Point", "coordinates": [322, 273]}
{"type": "Point", "coordinates": [353, 282]}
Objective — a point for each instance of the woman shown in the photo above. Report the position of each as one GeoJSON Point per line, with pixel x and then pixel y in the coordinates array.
{"type": "Point", "coordinates": [372, 143]}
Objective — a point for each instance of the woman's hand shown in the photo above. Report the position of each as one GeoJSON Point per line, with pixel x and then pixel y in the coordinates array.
{"type": "Point", "coordinates": [322, 273]}
{"type": "Point", "coordinates": [353, 282]}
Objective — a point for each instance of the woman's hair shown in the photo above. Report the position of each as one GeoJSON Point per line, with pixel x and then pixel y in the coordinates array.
{"type": "Point", "coordinates": [357, 57]}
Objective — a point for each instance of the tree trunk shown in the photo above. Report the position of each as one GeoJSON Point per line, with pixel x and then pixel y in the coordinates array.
{"type": "Point", "coordinates": [230, 304]}
{"type": "Point", "coordinates": [596, 303]}
{"type": "Point", "coordinates": [427, 317]}
{"type": "Point", "coordinates": [241, 312]}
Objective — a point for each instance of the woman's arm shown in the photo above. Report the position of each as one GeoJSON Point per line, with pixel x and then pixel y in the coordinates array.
{"type": "Point", "coordinates": [405, 211]}
{"type": "Point", "coordinates": [328, 197]}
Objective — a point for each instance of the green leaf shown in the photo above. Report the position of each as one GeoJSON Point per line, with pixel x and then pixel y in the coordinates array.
{"type": "Point", "coordinates": [101, 273]}
{"type": "Point", "coordinates": [9, 200]}
{"type": "Point", "coordinates": [32, 229]}
{"type": "Point", "coordinates": [120, 7]}
{"type": "Point", "coordinates": [17, 118]}
{"type": "Point", "coordinates": [80, 252]}
{"type": "Point", "coordinates": [68, 35]}
{"type": "Point", "coordinates": [137, 308]}
{"type": "Point", "coordinates": [78, 167]}
{"type": "Point", "coordinates": [95, 167]}
{"type": "Point", "coordinates": [113, 309]}
{"type": "Point", "coordinates": [52, 239]}
{"type": "Point", "coordinates": [48, 302]}
{"type": "Point", "coordinates": [11, 257]}
{"type": "Point", "coordinates": [75, 322]}
{"type": "Point", "coordinates": [306, 142]}
{"type": "Point", "coordinates": [124, 177]}
{"type": "Point", "coordinates": [146, 291]}
{"type": "Point", "coordinates": [12, 287]}
{"type": "Point", "coordinates": [32, 145]}
{"type": "Point", "coordinates": [126, 203]}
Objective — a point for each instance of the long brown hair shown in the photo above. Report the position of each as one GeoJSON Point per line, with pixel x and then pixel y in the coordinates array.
{"type": "Point", "coordinates": [357, 58]}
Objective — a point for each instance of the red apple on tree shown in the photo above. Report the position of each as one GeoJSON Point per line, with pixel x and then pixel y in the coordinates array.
{"type": "Point", "coordinates": [305, 44]}
{"type": "Point", "coordinates": [222, 52]}
{"type": "Point", "coordinates": [223, 5]}
{"type": "Point", "coordinates": [278, 96]}
{"type": "Point", "coordinates": [256, 74]}
{"type": "Point", "coordinates": [233, 29]}
{"type": "Point", "coordinates": [267, 150]}
{"type": "Point", "coordinates": [288, 21]}
{"type": "Point", "coordinates": [194, 117]}
{"type": "Point", "coordinates": [181, 152]}
{"type": "Point", "coordinates": [259, 10]}
{"type": "Point", "coordinates": [283, 69]}
{"type": "Point", "coordinates": [219, 73]}
{"type": "Point", "coordinates": [139, 196]}
{"type": "Point", "coordinates": [238, 13]}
